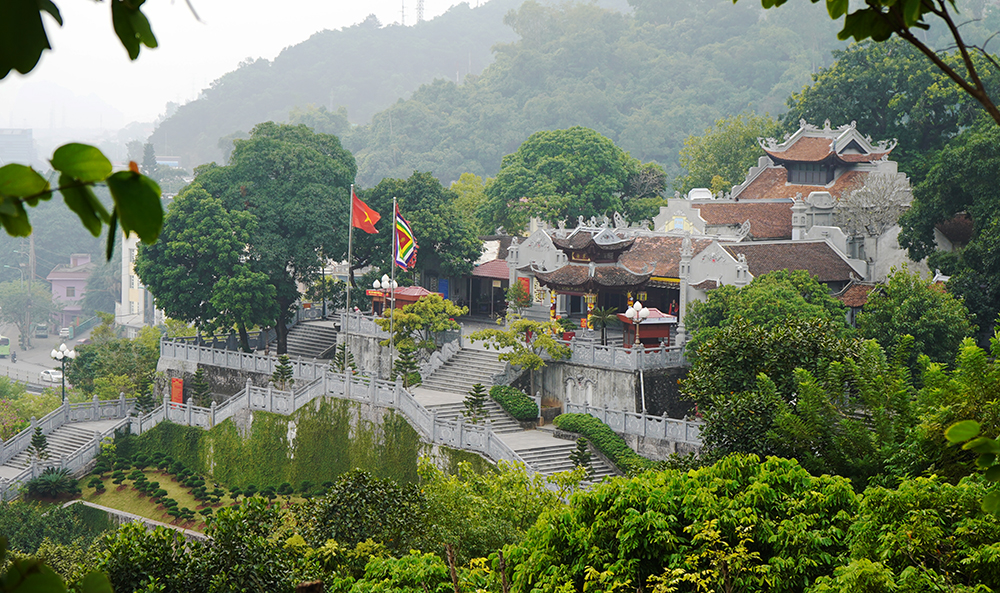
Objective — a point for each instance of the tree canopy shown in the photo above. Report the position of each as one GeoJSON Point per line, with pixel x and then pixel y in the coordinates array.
{"type": "Point", "coordinates": [560, 174]}
{"type": "Point", "coordinates": [769, 301]}
{"type": "Point", "coordinates": [909, 304]}
{"type": "Point", "coordinates": [720, 157]}
{"type": "Point", "coordinates": [294, 184]}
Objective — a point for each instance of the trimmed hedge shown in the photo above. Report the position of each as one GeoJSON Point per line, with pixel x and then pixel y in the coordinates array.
{"type": "Point", "coordinates": [515, 402]}
{"type": "Point", "coordinates": [606, 441]}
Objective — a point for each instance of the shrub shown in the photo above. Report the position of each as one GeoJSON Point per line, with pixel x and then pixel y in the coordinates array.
{"type": "Point", "coordinates": [53, 482]}
{"type": "Point", "coordinates": [97, 484]}
{"type": "Point", "coordinates": [514, 402]}
{"type": "Point", "coordinates": [606, 441]}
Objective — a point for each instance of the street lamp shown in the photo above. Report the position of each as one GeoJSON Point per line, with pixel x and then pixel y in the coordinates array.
{"type": "Point", "coordinates": [61, 355]}
{"type": "Point", "coordinates": [19, 269]}
{"type": "Point", "coordinates": [384, 285]}
{"type": "Point", "coordinates": [637, 314]}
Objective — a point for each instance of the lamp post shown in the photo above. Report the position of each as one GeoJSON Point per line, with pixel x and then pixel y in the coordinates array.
{"type": "Point", "coordinates": [385, 285]}
{"type": "Point", "coordinates": [61, 355]}
{"type": "Point", "coordinates": [637, 314]}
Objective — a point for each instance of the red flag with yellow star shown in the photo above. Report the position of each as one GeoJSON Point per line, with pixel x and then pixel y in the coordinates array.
{"type": "Point", "coordinates": [362, 216]}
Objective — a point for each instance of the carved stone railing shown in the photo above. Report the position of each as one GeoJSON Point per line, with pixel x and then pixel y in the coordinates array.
{"type": "Point", "coordinates": [75, 461]}
{"type": "Point", "coordinates": [632, 423]}
{"type": "Point", "coordinates": [437, 359]}
{"type": "Point", "coordinates": [361, 324]}
{"type": "Point", "coordinates": [625, 359]}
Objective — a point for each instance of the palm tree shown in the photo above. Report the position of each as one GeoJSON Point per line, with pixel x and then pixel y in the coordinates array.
{"type": "Point", "coordinates": [602, 318]}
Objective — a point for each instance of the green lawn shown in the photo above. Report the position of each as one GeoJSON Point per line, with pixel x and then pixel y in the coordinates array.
{"type": "Point", "coordinates": [128, 499]}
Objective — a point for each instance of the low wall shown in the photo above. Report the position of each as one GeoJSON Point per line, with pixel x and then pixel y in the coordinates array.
{"type": "Point", "coordinates": [370, 357]}
{"type": "Point", "coordinates": [565, 382]}
{"type": "Point", "coordinates": [658, 449]}
{"type": "Point", "coordinates": [223, 382]}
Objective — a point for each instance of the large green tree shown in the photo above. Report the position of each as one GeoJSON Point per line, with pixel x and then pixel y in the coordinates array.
{"type": "Point", "coordinates": [909, 304]}
{"type": "Point", "coordinates": [295, 183]}
{"type": "Point", "coordinates": [879, 20]}
{"type": "Point", "coordinates": [24, 307]}
{"type": "Point", "coordinates": [448, 241]}
{"type": "Point", "coordinates": [201, 244]}
{"type": "Point", "coordinates": [720, 157]}
{"type": "Point", "coordinates": [770, 300]}
{"type": "Point", "coordinates": [562, 174]}
{"type": "Point", "coordinates": [962, 182]}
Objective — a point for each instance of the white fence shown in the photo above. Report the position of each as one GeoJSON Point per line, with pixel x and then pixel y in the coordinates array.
{"type": "Point", "coordinates": [631, 423]}
{"type": "Point", "coordinates": [626, 359]}
{"type": "Point", "coordinates": [316, 380]}
{"type": "Point", "coordinates": [64, 414]}
{"type": "Point", "coordinates": [361, 324]}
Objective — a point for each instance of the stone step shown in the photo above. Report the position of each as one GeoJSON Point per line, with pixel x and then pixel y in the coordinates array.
{"type": "Point", "coordinates": [65, 440]}
{"type": "Point", "coordinates": [500, 422]}
{"type": "Point", "coordinates": [554, 459]}
{"type": "Point", "coordinates": [310, 340]}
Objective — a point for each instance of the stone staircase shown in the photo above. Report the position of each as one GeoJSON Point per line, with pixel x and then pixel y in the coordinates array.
{"type": "Point", "coordinates": [463, 370]}
{"type": "Point", "coordinates": [64, 440]}
{"type": "Point", "coordinates": [500, 422]}
{"type": "Point", "coordinates": [552, 459]}
{"type": "Point", "coordinates": [312, 340]}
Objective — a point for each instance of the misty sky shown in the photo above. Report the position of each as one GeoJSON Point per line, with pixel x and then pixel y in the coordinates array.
{"type": "Point", "coordinates": [88, 81]}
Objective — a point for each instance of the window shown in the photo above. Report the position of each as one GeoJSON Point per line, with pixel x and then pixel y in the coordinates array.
{"type": "Point", "coordinates": [71, 291]}
{"type": "Point", "coordinates": [809, 174]}
{"type": "Point", "coordinates": [131, 281]}
{"type": "Point", "coordinates": [131, 255]}
{"type": "Point", "coordinates": [133, 307]}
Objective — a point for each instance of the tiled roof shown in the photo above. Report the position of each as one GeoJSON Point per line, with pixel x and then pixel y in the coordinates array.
{"type": "Point", "coordinates": [706, 285]}
{"type": "Point", "coordinates": [768, 220]}
{"type": "Point", "coordinates": [772, 183]}
{"type": "Point", "coordinates": [504, 241]}
{"type": "Point", "coordinates": [804, 150]}
{"type": "Point", "coordinates": [662, 253]}
{"type": "Point", "coordinates": [816, 257]}
{"type": "Point", "coordinates": [496, 269]}
{"type": "Point", "coordinates": [814, 150]}
{"type": "Point", "coordinates": [958, 229]}
{"type": "Point", "coordinates": [414, 291]}
{"type": "Point", "coordinates": [578, 276]}
{"type": "Point", "coordinates": [862, 158]}
{"type": "Point", "coordinates": [583, 239]}
{"type": "Point", "coordinates": [856, 294]}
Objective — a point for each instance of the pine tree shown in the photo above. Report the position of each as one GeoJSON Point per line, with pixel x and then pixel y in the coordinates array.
{"type": "Point", "coordinates": [39, 445]}
{"type": "Point", "coordinates": [145, 402]}
{"type": "Point", "coordinates": [475, 404]}
{"type": "Point", "coordinates": [580, 456]}
{"type": "Point", "coordinates": [282, 376]}
{"type": "Point", "coordinates": [406, 367]}
{"type": "Point", "coordinates": [343, 360]}
{"type": "Point", "coordinates": [201, 393]}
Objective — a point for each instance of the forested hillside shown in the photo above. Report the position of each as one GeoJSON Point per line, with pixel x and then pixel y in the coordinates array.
{"type": "Point", "coordinates": [645, 79]}
{"type": "Point", "coordinates": [364, 68]}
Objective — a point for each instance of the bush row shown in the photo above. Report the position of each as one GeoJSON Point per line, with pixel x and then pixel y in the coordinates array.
{"type": "Point", "coordinates": [606, 441]}
{"type": "Point", "coordinates": [514, 402]}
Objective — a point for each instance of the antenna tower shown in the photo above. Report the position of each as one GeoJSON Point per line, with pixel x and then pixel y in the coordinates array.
{"type": "Point", "coordinates": [420, 11]}
{"type": "Point", "coordinates": [402, 13]}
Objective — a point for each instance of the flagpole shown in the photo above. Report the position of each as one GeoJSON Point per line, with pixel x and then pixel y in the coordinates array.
{"type": "Point", "coordinates": [350, 248]}
{"type": "Point", "coordinates": [392, 283]}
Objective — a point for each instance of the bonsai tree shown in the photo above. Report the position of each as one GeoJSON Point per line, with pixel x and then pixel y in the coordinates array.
{"type": "Point", "coordinates": [201, 393]}
{"type": "Point", "coordinates": [39, 445]}
{"type": "Point", "coordinates": [406, 367]}
{"type": "Point", "coordinates": [475, 404]}
{"type": "Point", "coordinates": [580, 457]}
{"type": "Point", "coordinates": [145, 402]}
{"type": "Point", "coordinates": [523, 343]}
{"type": "Point", "coordinates": [343, 360]}
{"type": "Point", "coordinates": [282, 376]}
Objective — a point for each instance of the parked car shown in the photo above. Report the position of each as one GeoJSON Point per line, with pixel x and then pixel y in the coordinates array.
{"type": "Point", "coordinates": [41, 331]}
{"type": "Point", "coordinates": [64, 332]}
{"type": "Point", "coordinates": [50, 376]}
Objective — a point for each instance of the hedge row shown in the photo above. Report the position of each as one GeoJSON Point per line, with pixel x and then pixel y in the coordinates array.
{"type": "Point", "coordinates": [606, 441]}
{"type": "Point", "coordinates": [514, 402]}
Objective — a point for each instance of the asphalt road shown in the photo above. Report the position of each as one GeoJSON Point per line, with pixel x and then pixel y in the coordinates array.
{"type": "Point", "coordinates": [35, 360]}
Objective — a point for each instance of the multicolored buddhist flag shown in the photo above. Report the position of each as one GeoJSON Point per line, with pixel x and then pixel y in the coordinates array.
{"type": "Point", "coordinates": [406, 245]}
{"type": "Point", "coordinates": [362, 216]}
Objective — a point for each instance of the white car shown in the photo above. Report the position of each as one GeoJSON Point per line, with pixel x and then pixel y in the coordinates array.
{"type": "Point", "coordinates": [50, 376]}
{"type": "Point", "coordinates": [64, 332]}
